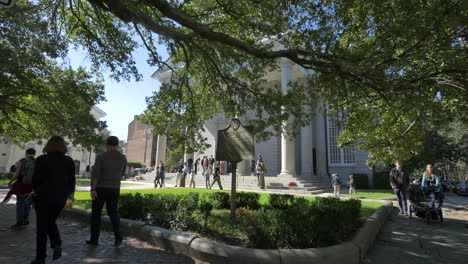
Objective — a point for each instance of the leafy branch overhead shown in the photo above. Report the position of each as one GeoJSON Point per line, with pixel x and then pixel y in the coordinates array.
{"type": "Point", "coordinates": [395, 68]}
{"type": "Point", "coordinates": [38, 96]}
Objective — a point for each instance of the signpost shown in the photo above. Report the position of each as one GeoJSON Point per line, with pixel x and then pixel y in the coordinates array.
{"type": "Point", "coordinates": [235, 143]}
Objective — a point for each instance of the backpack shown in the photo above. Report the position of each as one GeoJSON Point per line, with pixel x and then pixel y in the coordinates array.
{"type": "Point", "coordinates": [27, 170]}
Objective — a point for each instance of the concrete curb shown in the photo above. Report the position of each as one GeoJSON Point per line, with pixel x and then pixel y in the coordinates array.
{"type": "Point", "coordinates": [367, 234]}
{"type": "Point", "coordinates": [202, 250]}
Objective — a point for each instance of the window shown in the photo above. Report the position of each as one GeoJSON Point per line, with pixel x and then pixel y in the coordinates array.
{"type": "Point", "coordinates": [70, 151]}
{"type": "Point", "coordinates": [85, 156]}
{"type": "Point", "coordinates": [336, 155]}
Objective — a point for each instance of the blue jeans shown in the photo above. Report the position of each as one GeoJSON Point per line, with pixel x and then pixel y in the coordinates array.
{"type": "Point", "coordinates": [111, 198]}
{"type": "Point", "coordinates": [401, 196]}
{"type": "Point", "coordinates": [22, 209]}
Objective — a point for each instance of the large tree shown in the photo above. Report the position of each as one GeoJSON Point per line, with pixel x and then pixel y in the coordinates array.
{"type": "Point", "coordinates": [389, 68]}
{"type": "Point", "coordinates": [39, 96]}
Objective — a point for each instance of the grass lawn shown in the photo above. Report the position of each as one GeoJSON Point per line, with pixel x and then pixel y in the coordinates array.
{"type": "Point", "coordinates": [374, 194]}
{"type": "Point", "coordinates": [4, 182]}
{"type": "Point", "coordinates": [83, 200]}
{"type": "Point", "coordinates": [86, 183]}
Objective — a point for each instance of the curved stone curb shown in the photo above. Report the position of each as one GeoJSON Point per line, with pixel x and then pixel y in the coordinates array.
{"type": "Point", "coordinates": [203, 250]}
{"type": "Point", "coordinates": [367, 234]}
{"type": "Point", "coordinates": [212, 252]}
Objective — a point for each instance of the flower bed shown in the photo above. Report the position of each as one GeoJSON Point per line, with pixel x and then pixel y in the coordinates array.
{"type": "Point", "coordinates": [286, 221]}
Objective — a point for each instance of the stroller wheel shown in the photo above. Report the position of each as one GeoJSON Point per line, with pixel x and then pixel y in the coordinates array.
{"type": "Point", "coordinates": [441, 218]}
{"type": "Point", "coordinates": [428, 217]}
{"type": "Point", "coordinates": [411, 213]}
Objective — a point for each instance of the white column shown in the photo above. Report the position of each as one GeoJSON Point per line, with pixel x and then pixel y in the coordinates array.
{"type": "Point", "coordinates": [288, 167]}
{"type": "Point", "coordinates": [321, 148]}
{"type": "Point", "coordinates": [307, 161]}
{"type": "Point", "coordinates": [161, 149]}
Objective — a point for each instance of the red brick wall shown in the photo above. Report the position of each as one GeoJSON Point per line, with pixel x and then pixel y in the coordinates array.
{"type": "Point", "coordinates": [136, 143]}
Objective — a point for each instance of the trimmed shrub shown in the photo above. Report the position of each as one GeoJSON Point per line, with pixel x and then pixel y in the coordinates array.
{"type": "Point", "coordinates": [288, 222]}
{"type": "Point", "coordinates": [361, 181]}
{"type": "Point", "coordinates": [6, 175]}
{"type": "Point", "coordinates": [280, 201]}
{"type": "Point", "coordinates": [220, 200]}
{"type": "Point", "coordinates": [132, 206]}
{"type": "Point", "coordinates": [382, 180]}
{"type": "Point", "coordinates": [134, 164]}
{"type": "Point", "coordinates": [248, 199]}
{"type": "Point", "coordinates": [304, 224]}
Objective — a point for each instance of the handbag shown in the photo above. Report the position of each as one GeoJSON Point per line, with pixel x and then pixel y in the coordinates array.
{"type": "Point", "coordinates": [31, 198]}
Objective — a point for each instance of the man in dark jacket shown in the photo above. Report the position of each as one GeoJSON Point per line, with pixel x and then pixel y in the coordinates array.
{"type": "Point", "coordinates": [399, 180]}
{"type": "Point", "coordinates": [109, 168]}
{"type": "Point", "coordinates": [190, 163]}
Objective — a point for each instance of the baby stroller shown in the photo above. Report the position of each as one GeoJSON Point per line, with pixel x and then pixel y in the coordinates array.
{"type": "Point", "coordinates": [425, 203]}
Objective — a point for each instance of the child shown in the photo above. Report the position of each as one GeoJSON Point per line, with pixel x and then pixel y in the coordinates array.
{"type": "Point", "coordinates": [192, 179]}
{"type": "Point", "coordinates": [336, 183]}
{"type": "Point", "coordinates": [352, 187]}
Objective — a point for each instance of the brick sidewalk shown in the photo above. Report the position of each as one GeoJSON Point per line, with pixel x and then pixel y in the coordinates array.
{"type": "Point", "coordinates": [18, 245]}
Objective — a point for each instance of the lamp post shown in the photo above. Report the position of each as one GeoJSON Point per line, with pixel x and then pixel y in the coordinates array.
{"type": "Point", "coordinates": [146, 132]}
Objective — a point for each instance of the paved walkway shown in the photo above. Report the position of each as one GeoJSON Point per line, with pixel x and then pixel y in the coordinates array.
{"type": "Point", "coordinates": [18, 245]}
{"type": "Point", "coordinates": [404, 240]}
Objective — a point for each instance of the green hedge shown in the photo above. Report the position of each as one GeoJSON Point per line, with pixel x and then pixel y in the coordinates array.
{"type": "Point", "coordinates": [361, 181]}
{"type": "Point", "coordinates": [134, 164]}
{"type": "Point", "coordinates": [280, 201]}
{"type": "Point", "coordinates": [382, 180]}
{"type": "Point", "coordinates": [303, 224]}
{"type": "Point", "coordinates": [286, 222]}
{"type": "Point", "coordinates": [220, 200]}
{"type": "Point", "coordinates": [6, 175]}
{"type": "Point", "coordinates": [248, 199]}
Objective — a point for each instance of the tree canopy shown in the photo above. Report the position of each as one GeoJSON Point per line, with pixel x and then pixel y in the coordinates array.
{"type": "Point", "coordinates": [390, 68]}
{"type": "Point", "coordinates": [40, 97]}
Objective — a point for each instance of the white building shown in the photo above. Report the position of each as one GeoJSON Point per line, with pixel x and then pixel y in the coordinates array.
{"type": "Point", "coordinates": [10, 153]}
{"type": "Point", "coordinates": [313, 153]}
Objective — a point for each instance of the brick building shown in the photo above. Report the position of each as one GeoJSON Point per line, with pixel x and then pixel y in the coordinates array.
{"type": "Point", "coordinates": [141, 143]}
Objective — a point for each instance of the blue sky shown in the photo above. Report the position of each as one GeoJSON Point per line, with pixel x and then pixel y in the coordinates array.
{"type": "Point", "coordinates": [124, 99]}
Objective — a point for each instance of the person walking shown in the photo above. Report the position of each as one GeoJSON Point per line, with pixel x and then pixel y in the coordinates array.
{"type": "Point", "coordinates": [185, 172]}
{"type": "Point", "coordinates": [53, 182]}
{"type": "Point", "coordinates": [190, 163]}
{"type": "Point", "coordinates": [261, 177]}
{"type": "Point", "coordinates": [157, 178]}
{"type": "Point", "coordinates": [21, 185]}
{"type": "Point", "coordinates": [336, 183]}
{"type": "Point", "coordinates": [399, 180]}
{"type": "Point", "coordinates": [109, 167]}
{"type": "Point", "coordinates": [197, 163]}
{"type": "Point", "coordinates": [430, 179]}
{"type": "Point", "coordinates": [180, 173]}
{"type": "Point", "coordinates": [192, 178]}
{"type": "Point", "coordinates": [352, 186]}
{"type": "Point", "coordinates": [205, 163]}
{"type": "Point", "coordinates": [207, 178]}
{"type": "Point", "coordinates": [211, 161]}
{"type": "Point", "coordinates": [217, 177]}
{"type": "Point", "coordinates": [162, 173]}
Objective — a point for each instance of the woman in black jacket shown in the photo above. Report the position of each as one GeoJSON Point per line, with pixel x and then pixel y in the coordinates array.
{"type": "Point", "coordinates": [53, 182]}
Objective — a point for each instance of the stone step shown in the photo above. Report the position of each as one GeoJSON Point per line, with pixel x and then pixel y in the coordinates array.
{"type": "Point", "coordinates": [274, 184]}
